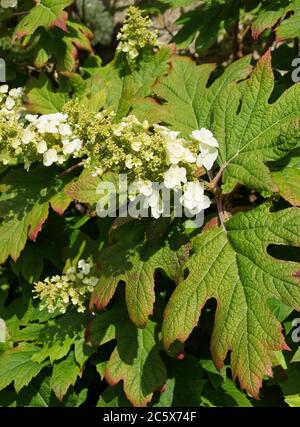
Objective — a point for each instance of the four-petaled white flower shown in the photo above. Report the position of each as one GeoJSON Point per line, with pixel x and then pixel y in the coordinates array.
{"type": "Point", "coordinates": [28, 136]}
{"type": "Point", "coordinates": [10, 103]}
{"type": "Point", "coordinates": [177, 152]}
{"type": "Point", "coordinates": [41, 147]}
{"type": "Point", "coordinates": [73, 146]}
{"type": "Point", "coordinates": [3, 88]}
{"type": "Point", "coordinates": [175, 176]}
{"type": "Point", "coordinates": [50, 157]}
{"type": "Point", "coordinates": [208, 146]}
{"type": "Point", "coordinates": [194, 198]}
{"type": "Point", "coordinates": [145, 188]}
{"type": "Point", "coordinates": [64, 129]}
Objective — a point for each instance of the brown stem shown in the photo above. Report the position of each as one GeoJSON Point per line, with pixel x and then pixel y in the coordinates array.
{"type": "Point", "coordinates": [72, 168]}
{"type": "Point", "coordinates": [215, 181]}
{"type": "Point", "coordinates": [217, 194]}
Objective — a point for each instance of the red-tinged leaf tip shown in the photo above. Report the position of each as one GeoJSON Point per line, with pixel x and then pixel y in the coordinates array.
{"type": "Point", "coordinates": [297, 275]}
{"type": "Point", "coordinates": [15, 258]}
{"type": "Point", "coordinates": [161, 389]}
{"type": "Point", "coordinates": [267, 57]}
{"type": "Point", "coordinates": [60, 22]}
{"type": "Point", "coordinates": [109, 379]}
{"type": "Point", "coordinates": [20, 34]}
{"type": "Point", "coordinates": [96, 305]}
{"type": "Point", "coordinates": [256, 34]}
{"type": "Point", "coordinates": [212, 223]}
{"type": "Point", "coordinates": [59, 211]}
{"type": "Point", "coordinates": [218, 363]}
{"type": "Point", "coordinates": [285, 347]}
{"type": "Point", "coordinates": [269, 371]}
{"type": "Point", "coordinates": [180, 356]}
{"type": "Point", "coordinates": [32, 234]}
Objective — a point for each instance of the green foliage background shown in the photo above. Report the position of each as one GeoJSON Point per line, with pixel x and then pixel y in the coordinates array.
{"type": "Point", "coordinates": [179, 317]}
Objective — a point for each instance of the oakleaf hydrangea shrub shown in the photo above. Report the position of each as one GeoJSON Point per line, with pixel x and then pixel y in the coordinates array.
{"type": "Point", "coordinates": [149, 206]}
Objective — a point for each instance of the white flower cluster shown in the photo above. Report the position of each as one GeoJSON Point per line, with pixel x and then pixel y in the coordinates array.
{"type": "Point", "coordinates": [136, 34]}
{"type": "Point", "coordinates": [53, 137]}
{"type": "Point", "coordinates": [180, 155]}
{"type": "Point", "coordinates": [48, 138]}
{"type": "Point", "coordinates": [8, 3]}
{"type": "Point", "coordinates": [178, 150]}
{"type": "Point", "coordinates": [72, 288]}
{"type": "Point", "coordinates": [9, 99]}
{"type": "Point", "coordinates": [146, 154]}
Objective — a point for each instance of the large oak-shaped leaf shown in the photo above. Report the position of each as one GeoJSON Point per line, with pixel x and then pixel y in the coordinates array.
{"type": "Point", "coordinates": [233, 266]}
{"type": "Point", "coordinates": [252, 131]}
{"type": "Point", "coordinates": [134, 261]}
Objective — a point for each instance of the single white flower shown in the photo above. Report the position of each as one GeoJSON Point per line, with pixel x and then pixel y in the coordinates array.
{"type": "Point", "coordinates": [84, 267]}
{"type": "Point", "coordinates": [133, 53]}
{"type": "Point", "coordinates": [41, 147]}
{"type": "Point", "coordinates": [72, 146]}
{"type": "Point", "coordinates": [145, 188]}
{"type": "Point", "coordinates": [175, 176]}
{"type": "Point", "coordinates": [166, 132]}
{"type": "Point", "coordinates": [45, 126]}
{"type": "Point", "coordinates": [28, 136]}
{"type": "Point", "coordinates": [207, 158]}
{"type": "Point", "coordinates": [10, 103]}
{"type": "Point", "coordinates": [202, 135]}
{"type": "Point", "coordinates": [64, 129]}
{"type": "Point", "coordinates": [49, 123]}
{"type": "Point", "coordinates": [177, 152]}
{"type": "Point", "coordinates": [3, 88]}
{"type": "Point", "coordinates": [194, 198]}
{"type": "Point", "coordinates": [50, 157]}
{"type": "Point", "coordinates": [208, 146]}
{"type": "Point", "coordinates": [136, 145]}
{"type": "Point", "coordinates": [32, 118]}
